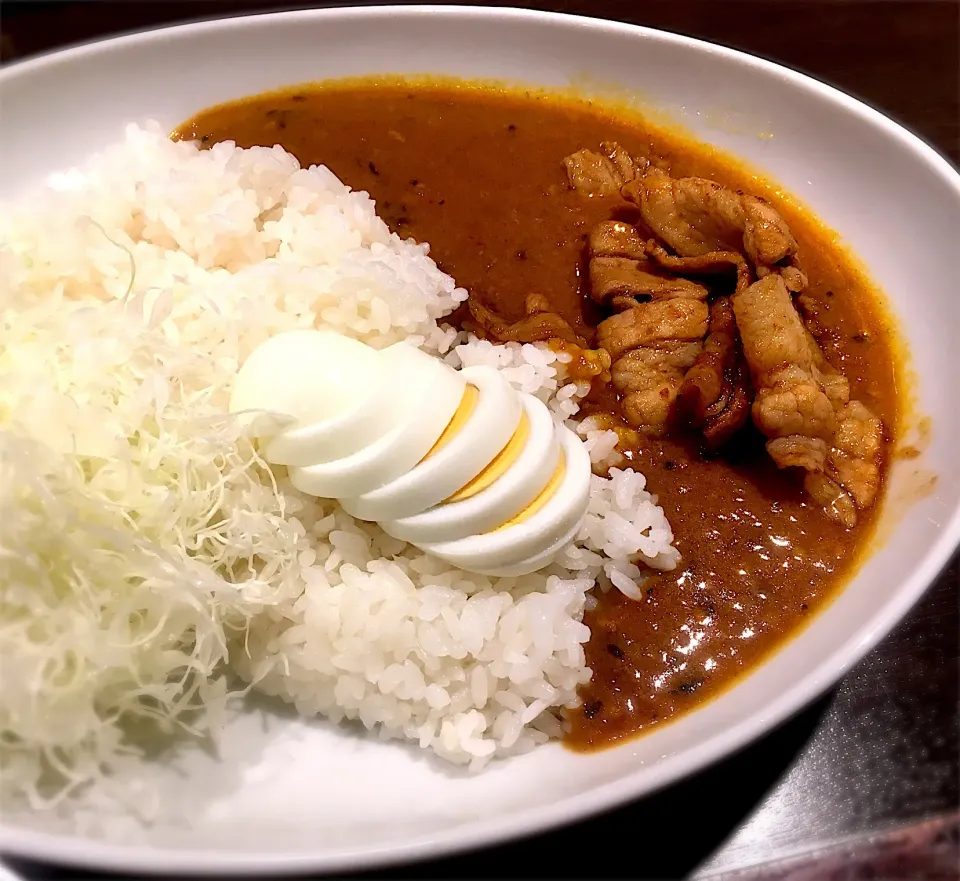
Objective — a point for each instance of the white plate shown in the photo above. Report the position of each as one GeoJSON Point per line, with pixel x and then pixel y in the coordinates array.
{"type": "Point", "coordinates": [298, 795]}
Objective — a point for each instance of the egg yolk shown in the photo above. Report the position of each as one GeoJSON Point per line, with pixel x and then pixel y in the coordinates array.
{"type": "Point", "coordinates": [468, 403]}
{"type": "Point", "coordinates": [498, 465]}
{"type": "Point", "coordinates": [546, 494]}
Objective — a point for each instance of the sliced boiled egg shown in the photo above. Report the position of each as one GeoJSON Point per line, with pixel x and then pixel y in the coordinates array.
{"type": "Point", "coordinates": [277, 377]}
{"type": "Point", "coordinates": [508, 484]}
{"type": "Point", "coordinates": [536, 561]}
{"type": "Point", "coordinates": [458, 463]}
{"type": "Point", "coordinates": [466, 447]}
{"type": "Point", "coordinates": [555, 513]}
{"type": "Point", "coordinates": [427, 394]}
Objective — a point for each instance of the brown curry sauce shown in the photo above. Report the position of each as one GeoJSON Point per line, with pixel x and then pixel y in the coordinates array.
{"type": "Point", "coordinates": [477, 172]}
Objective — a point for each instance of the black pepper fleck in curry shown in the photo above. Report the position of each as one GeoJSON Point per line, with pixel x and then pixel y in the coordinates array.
{"type": "Point", "coordinates": [757, 555]}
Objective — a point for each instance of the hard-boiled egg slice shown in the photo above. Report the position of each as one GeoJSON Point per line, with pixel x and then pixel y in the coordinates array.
{"type": "Point", "coordinates": [552, 515]}
{"type": "Point", "coordinates": [466, 447]}
{"type": "Point", "coordinates": [309, 376]}
{"type": "Point", "coordinates": [378, 410]}
{"type": "Point", "coordinates": [537, 561]}
{"type": "Point", "coordinates": [508, 484]}
{"type": "Point", "coordinates": [340, 436]}
{"type": "Point", "coordinates": [430, 393]}
{"type": "Point", "coordinates": [459, 463]}
{"type": "Point", "coordinates": [335, 395]}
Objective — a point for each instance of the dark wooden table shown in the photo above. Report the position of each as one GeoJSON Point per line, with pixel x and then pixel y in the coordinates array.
{"type": "Point", "coordinates": [864, 784]}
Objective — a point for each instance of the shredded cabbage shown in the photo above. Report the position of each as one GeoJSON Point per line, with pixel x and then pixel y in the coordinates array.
{"type": "Point", "coordinates": [139, 532]}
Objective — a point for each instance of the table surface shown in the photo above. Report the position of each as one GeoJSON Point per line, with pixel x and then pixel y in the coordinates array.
{"type": "Point", "coordinates": [863, 784]}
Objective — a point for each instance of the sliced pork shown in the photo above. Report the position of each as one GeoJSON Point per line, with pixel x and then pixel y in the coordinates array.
{"type": "Point", "coordinates": [716, 392]}
{"type": "Point", "coordinates": [696, 216]}
{"type": "Point", "coordinates": [652, 345]}
{"type": "Point", "coordinates": [600, 174]}
{"type": "Point", "coordinates": [803, 404]}
{"type": "Point", "coordinates": [622, 277]}
{"type": "Point", "coordinates": [539, 325]}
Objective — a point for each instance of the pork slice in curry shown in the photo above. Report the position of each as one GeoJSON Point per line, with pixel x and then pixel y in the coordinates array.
{"type": "Point", "coordinates": [561, 217]}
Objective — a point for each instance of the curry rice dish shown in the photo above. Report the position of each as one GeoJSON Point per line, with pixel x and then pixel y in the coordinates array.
{"type": "Point", "coordinates": [730, 370]}
{"type": "Point", "coordinates": [752, 375]}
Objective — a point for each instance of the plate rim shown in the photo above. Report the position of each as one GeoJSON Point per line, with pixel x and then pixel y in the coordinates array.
{"type": "Point", "coordinates": [147, 859]}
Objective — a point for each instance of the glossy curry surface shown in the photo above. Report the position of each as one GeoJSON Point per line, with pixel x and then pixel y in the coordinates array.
{"type": "Point", "coordinates": [477, 172]}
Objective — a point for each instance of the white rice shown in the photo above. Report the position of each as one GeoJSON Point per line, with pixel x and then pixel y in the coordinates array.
{"type": "Point", "coordinates": [230, 246]}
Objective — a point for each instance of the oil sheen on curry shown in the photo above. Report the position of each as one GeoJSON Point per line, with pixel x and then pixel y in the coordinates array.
{"type": "Point", "coordinates": [743, 359]}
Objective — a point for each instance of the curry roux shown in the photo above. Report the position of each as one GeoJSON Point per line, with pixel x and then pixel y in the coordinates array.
{"type": "Point", "coordinates": [477, 172]}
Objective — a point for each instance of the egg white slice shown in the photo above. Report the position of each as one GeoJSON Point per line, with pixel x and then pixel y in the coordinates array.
{"type": "Point", "coordinates": [430, 393]}
{"type": "Point", "coordinates": [307, 375]}
{"type": "Point", "coordinates": [342, 435]}
{"type": "Point", "coordinates": [537, 561]}
{"type": "Point", "coordinates": [509, 494]}
{"type": "Point", "coordinates": [380, 408]}
{"type": "Point", "coordinates": [510, 544]}
{"type": "Point", "coordinates": [486, 431]}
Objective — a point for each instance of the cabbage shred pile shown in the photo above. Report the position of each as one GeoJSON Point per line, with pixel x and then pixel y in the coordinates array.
{"type": "Point", "coordinates": [125, 498]}
{"type": "Point", "coordinates": [139, 530]}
